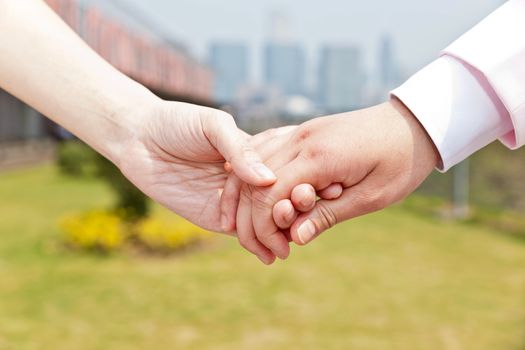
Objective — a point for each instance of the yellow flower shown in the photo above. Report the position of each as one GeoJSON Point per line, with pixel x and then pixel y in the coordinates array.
{"type": "Point", "coordinates": [164, 235]}
{"type": "Point", "coordinates": [95, 230]}
{"type": "Point", "coordinates": [104, 231]}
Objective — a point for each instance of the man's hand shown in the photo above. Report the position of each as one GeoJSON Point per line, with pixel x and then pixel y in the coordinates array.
{"type": "Point", "coordinates": [379, 155]}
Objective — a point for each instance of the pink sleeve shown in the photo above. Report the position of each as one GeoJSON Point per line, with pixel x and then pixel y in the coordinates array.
{"type": "Point", "coordinates": [496, 48]}
{"type": "Point", "coordinates": [475, 93]}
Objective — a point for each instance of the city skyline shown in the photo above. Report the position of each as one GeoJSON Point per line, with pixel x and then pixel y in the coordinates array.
{"type": "Point", "coordinates": [230, 63]}
{"type": "Point", "coordinates": [419, 29]}
{"type": "Point", "coordinates": [284, 67]}
{"type": "Point", "coordinates": [341, 79]}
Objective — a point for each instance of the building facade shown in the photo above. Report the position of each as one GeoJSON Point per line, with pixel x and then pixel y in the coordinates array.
{"type": "Point", "coordinates": [284, 68]}
{"type": "Point", "coordinates": [230, 63]}
{"type": "Point", "coordinates": [341, 78]}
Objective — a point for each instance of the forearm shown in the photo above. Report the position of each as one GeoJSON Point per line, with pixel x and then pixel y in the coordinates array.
{"type": "Point", "coordinates": [45, 64]}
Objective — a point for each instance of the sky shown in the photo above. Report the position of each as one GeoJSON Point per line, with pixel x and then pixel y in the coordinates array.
{"type": "Point", "coordinates": [419, 28]}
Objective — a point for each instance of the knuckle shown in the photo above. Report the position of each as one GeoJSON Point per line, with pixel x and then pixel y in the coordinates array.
{"type": "Point", "coordinates": [223, 116]}
{"type": "Point", "coordinates": [261, 137]}
{"type": "Point", "coordinates": [245, 195]}
{"type": "Point", "coordinates": [313, 153]}
{"type": "Point", "coordinates": [248, 152]}
{"type": "Point", "coordinates": [247, 245]}
{"type": "Point", "coordinates": [219, 119]}
{"type": "Point", "coordinates": [373, 200]}
{"type": "Point", "coordinates": [327, 216]}
{"type": "Point", "coordinates": [270, 132]}
{"type": "Point", "coordinates": [302, 134]}
{"type": "Point", "coordinates": [266, 238]}
{"type": "Point", "coordinates": [283, 216]}
{"type": "Point", "coordinates": [261, 199]}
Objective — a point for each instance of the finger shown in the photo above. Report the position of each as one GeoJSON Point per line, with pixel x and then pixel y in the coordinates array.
{"type": "Point", "coordinates": [333, 191]}
{"type": "Point", "coordinates": [228, 167]}
{"type": "Point", "coordinates": [274, 240]}
{"type": "Point", "coordinates": [245, 232]}
{"type": "Point", "coordinates": [230, 202]}
{"type": "Point", "coordinates": [231, 190]}
{"type": "Point", "coordinates": [266, 142]}
{"type": "Point", "coordinates": [263, 200]}
{"type": "Point", "coordinates": [233, 145]}
{"type": "Point", "coordinates": [355, 201]}
{"type": "Point", "coordinates": [266, 137]}
{"type": "Point", "coordinates": [284, 214]}
{"type": "Point", "coordinates": [303, 197]}
{"type": "Point", "coordinates": [288, 235]}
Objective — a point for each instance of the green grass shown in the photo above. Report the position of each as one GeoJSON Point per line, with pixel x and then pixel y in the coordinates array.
{"type": "Point", "coordinates": [393, 280]}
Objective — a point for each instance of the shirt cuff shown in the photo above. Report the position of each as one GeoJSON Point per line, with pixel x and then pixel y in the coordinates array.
{"type": "Point", "coordinates": [457, 107]}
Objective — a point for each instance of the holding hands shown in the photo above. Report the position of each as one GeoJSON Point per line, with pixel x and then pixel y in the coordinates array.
{"type": "Point", "coordinates": [176, 153]}
{"type": "Point", "coordinates": [375, 156]}
{"type": "Point", "coordinates": [356, 163]}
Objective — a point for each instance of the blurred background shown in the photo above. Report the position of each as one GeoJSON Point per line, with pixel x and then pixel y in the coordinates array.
{"type": "Point", "coordinates": [87, 262]}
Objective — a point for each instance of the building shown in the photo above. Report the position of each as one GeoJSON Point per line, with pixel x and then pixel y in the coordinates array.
{"type": "Point", "coordinates": [341, 79]}
{"type": "Point", "coordinates": [230, 65]}
{"type": "Point", "coordinates": [388, 70]}
{"type": "Point", "coordinates": [284, 67]}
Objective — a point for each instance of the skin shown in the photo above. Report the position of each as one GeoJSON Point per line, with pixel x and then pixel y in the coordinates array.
{"type": "Point", "coordinates": [175, 159]}
{"type": "Point", "coordinates": [379, 156]}
{"type": "Point", "coordinates": [284, 213]}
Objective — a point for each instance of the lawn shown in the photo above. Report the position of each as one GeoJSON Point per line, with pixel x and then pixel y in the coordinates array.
{"type": "Point", "coordinates": [392, 280]}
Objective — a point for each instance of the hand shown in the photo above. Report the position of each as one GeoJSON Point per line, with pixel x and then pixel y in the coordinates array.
{"type": "Point", "coordinates": [302, 198]}
{"type": "Point", "coordinates": [177, 155]}
{"type": "Point", "coordinates": [379, 155]}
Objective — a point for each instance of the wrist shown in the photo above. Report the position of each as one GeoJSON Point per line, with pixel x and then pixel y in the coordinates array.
{"type": "Point", "coordinates": [425, 151]}
{"type": "Point", "coordinates": [123, 121]}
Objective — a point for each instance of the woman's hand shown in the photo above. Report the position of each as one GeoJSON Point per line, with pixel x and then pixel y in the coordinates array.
{"type": "Point", "coordinates": [176, 156]}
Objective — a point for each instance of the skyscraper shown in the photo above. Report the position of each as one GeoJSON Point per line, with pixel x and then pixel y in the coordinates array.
{"type": "Point", "coordinates": [341, 78]}
{"type": "Point", "coordinates": [230, 64]}
{"type": "Point", "coordinates": [388, 72]}
{"type": "Point", "coordinates": [284, 67]}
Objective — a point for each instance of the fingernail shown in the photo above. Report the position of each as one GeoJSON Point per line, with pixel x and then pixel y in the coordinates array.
{"type": "Point", "coordinates": [263, 171]}
{"type": "Point", "coordinates": [306, 231]}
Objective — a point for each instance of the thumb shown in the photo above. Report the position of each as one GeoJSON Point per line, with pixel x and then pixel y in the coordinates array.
{"type": "Point", "coordinates": [233, 144]}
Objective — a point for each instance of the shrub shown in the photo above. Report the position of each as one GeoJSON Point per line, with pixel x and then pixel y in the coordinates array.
{"type": "Point", "coordinates": [164, 236]}
{"type": "Point", "coordinates": [130, 199]}
{"type": "Point", "coordinates": [105, 232]}
{"type": "Point", "coordinates": [94, 231]}
{"type": "Point", "coordinates": [74, 158]}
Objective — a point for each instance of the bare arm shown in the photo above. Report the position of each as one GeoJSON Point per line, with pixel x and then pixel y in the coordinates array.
{"type": "Point", "coordinates": [172, 151]}
{"type": "Point", "coordinates": [45, 64]}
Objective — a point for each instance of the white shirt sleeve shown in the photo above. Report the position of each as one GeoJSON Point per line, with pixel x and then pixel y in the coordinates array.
{"type": "Point", "coordinates": [475, 93]}
{"type": "Point", "coordinates": [460, 115]}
